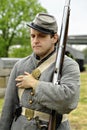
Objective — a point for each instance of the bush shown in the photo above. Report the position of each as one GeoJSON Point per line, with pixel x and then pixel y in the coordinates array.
{"type": "Point", "coordinates": [20, 51]}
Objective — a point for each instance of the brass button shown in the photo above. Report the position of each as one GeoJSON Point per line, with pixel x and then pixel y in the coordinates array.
{"type": "Point", "coordinates": [29, 118]}
{"type": "Point", "coordinates": [32, 93]}
{"type": "Point", "coordinates": [30, 101]}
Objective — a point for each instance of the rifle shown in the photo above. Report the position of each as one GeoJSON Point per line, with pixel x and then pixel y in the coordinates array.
{"type": "Point", "coordinates": [53, 124]}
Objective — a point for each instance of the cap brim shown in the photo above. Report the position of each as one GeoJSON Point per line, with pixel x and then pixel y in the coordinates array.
{"type": "Point", "coordinates": [40, 29]}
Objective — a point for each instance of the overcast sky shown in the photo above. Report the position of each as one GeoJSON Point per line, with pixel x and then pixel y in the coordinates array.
{"type": "Point", "coordinates": [78, 14]}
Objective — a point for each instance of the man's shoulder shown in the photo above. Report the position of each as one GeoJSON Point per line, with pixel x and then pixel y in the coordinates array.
{"type": "Point", "coordinates": [69, 60]}
{"type": "Point", "coordinates": [70, 64]}
{"type": "Point", "coordinates": [23, 61]}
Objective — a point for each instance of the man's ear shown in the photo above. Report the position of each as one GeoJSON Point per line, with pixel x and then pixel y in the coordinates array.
{"type": "Point", "coordinates": [56, 38]}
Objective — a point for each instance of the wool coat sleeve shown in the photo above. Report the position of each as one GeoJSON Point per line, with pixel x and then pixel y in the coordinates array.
{"type": "Point", "coordinates": [64, 97]}
{"type": "Point", "coordinates": [11, 102]}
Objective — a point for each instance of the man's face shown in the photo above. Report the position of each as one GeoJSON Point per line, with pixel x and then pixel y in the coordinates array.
{"type": "Point", "coordinates": [42, 44]}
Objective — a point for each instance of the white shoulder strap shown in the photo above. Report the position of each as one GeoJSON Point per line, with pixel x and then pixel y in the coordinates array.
{"type": "Point", "coordinates": [47, 63]}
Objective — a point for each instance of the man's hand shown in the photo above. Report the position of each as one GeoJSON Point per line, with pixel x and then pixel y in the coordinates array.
{"type": "Point", "coordinates": [26, 81]}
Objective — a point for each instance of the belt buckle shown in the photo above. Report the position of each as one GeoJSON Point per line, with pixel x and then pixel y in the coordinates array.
{"type": "Point", "coordinates": [29, 114]}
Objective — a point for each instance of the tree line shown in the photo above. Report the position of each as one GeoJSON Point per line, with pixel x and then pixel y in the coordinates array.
{"type": "Point", "coordinates": [14, 14]}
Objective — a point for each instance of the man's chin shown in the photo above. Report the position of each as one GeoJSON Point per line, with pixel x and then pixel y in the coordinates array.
{"type": "Point", "coordinates": [37, 53]}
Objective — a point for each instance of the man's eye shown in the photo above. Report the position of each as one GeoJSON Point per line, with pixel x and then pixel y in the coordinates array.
{"type": "Point", "coordinates": [32, 36]}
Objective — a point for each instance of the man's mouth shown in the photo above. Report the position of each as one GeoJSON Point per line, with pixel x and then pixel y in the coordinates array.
{"type": "Point", "coordinates": [36, 46]}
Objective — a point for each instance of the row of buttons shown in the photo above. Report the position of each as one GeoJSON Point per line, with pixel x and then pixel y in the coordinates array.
{"type": "Point", "coordinates": [32, 93]}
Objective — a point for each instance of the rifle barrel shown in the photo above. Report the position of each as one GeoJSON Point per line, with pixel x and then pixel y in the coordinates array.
{"type": "Point", "coordinates": [60, 58]}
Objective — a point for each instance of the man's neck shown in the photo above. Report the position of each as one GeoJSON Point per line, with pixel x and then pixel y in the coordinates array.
{"type": "Point", "coordinates": [45, 58]}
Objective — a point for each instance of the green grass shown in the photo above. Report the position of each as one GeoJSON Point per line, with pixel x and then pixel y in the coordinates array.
{"type": "Point", "coordinates": [78, 117]}
{"type": "Point", "coordinates": [1, 103]}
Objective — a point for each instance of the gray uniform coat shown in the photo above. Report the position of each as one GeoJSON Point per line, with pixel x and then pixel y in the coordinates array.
{"type": "Point", "coordinates": [63, 98]}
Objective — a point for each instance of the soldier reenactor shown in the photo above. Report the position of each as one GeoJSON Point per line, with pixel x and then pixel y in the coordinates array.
{"type": "Point", "coordinates": [31, 96]}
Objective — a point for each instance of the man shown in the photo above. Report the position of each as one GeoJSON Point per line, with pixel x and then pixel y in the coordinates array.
{"type": "Point", "coordinates": [31, 96]}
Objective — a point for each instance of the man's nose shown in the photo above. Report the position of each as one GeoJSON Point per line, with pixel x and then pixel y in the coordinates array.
{"type": "Point", "coordinates": [36, 39]}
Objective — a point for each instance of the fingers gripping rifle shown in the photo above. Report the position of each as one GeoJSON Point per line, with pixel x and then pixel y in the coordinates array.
{"type": "Point", "coordinates": [59, 61]}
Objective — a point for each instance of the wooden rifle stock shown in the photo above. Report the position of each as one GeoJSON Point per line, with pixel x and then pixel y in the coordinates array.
{"type": "Point", "coordinates": [59, 60]}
